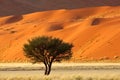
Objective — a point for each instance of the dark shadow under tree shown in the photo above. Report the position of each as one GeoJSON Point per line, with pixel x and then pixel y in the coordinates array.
{"type": "Point", "coordinates": [47, 50]}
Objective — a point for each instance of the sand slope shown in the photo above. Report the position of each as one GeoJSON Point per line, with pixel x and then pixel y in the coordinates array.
{"type": "Point", "coordinates": [95, 31]}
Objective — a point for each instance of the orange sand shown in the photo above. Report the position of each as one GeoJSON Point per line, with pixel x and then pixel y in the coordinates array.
{"type": "Point", "coordinates": [95, 31]}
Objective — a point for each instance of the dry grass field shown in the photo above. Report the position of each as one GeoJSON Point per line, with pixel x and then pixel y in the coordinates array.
{"type": "Point", "coordinates": [57, 77]}
{"type": "Point", "coordinates": [60, 71]}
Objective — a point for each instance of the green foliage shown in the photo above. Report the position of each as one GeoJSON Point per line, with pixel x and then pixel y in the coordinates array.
{"type": "Point", "coordinates": [39, 47]}
{"type": "Point", "coordinates": [47, 49]}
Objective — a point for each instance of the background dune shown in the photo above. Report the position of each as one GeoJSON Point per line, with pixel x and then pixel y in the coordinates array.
{"type": "Point", "coordinates": [20, 7]}
{"type": "Point", "coordinates": [94, 31]}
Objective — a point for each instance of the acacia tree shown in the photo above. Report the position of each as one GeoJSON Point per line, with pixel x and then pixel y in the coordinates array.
{"type": "Point", "coordinates": [47, 50]}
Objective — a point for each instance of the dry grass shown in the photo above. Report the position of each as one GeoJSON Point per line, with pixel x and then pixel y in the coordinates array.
{"type": "Point", "coordinates": [59, 77]}
{"type": "Point", "coordinates": [58, 74]}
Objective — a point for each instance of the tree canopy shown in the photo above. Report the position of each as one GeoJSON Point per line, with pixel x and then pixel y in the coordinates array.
{"type": "Point", "coordinates": [47, 50]}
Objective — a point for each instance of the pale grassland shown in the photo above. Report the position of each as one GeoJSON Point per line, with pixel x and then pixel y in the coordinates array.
{"type": "Point", "coordinates": [56, 64]}
{"type": "Point", "coordinates": [63, 77]}
{"type": "Point", "coordinates": [62, 71]}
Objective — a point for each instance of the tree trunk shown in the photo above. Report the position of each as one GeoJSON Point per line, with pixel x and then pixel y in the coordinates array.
{"type": "Point", "coordinates": [46, 69]}
{"type": "Point", "coordinates": [49, 70]}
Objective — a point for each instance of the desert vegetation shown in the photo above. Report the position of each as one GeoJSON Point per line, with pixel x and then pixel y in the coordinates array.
{"type": "Point", "coordinates": [58, 77]}
{"type": "Point", "coordinates": [47, 50]}
{"type": "Point", "coordinates": [60, 71]}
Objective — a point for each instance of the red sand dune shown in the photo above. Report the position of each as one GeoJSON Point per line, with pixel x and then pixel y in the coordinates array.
{"type": "Point", "coordinates": [95, 31]}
